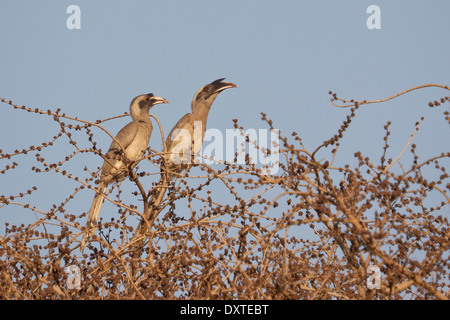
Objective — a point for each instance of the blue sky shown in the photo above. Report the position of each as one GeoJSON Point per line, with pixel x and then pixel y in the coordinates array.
{"type": "Point", "coordinates": [284, 56]}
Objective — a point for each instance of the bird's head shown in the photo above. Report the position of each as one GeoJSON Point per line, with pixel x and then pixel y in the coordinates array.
{"type": "Point", "coordinates": [209, 92]}
{"type": "Point", "coordinates": [142, 104]}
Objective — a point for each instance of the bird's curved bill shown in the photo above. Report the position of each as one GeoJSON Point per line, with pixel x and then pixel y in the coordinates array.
{"type": "Point", "coordinates": [222, 85]}
{"type": "Point", "coordinates": [159, 100]}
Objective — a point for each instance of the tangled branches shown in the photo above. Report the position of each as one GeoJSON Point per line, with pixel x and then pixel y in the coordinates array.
{"type": "Point", "coordinates": [230, 230]}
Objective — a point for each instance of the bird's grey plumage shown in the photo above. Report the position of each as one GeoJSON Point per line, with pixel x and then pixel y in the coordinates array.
{"type": "Point", "coordinates": [125, 152]}
{"type": "Point", "coordinates": [186, 137]}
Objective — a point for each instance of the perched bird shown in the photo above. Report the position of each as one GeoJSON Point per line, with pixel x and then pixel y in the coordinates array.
{"type": "Point", "coordinates": [185, 140]}
{"type": "Point", "coordinates": [124, 154]}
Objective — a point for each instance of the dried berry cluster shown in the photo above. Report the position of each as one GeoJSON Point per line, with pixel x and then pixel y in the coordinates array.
{"type": "Point", "coordinates": [231, 231]}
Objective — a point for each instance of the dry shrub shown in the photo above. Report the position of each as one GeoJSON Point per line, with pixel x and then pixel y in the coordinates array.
{"type": "Point", "coordinates": [229, 231]}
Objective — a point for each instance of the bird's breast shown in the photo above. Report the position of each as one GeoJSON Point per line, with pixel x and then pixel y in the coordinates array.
{"type": "Point", "coordinates": [186, 144]}
{"type": "Point", "coordinates": [136, 150]}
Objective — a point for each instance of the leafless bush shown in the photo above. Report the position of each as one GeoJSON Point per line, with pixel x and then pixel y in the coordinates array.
{"type": "Point", "coordinates": [230, 231]}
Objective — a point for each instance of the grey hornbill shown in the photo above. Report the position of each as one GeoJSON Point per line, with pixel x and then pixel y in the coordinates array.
{"type": "Point", "coordinates": [124, 154]}
{"type": "Point", "coordinates": [182, 144]}
{"type": "Point", "coordinates": [186, 138]}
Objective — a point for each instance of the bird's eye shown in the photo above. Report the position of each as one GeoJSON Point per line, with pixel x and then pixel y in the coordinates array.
{"type": "Point", "coordinates": [205, 89]}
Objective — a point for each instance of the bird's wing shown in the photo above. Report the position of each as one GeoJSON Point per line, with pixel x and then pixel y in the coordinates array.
{"type": "Point", "coordinates": [186, 123]}
{"type": "Point", "coordinates": [125, 137]}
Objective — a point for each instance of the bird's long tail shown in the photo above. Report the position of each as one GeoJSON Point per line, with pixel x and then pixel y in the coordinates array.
{"type": "Point", "coordinates": [93, 214]}
{"type": "Point", "coordinates": [154, 204]}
